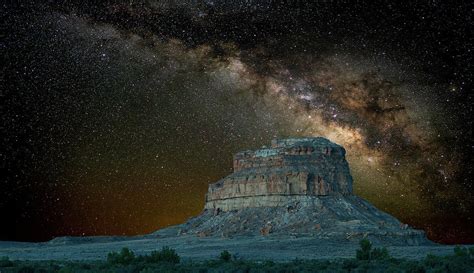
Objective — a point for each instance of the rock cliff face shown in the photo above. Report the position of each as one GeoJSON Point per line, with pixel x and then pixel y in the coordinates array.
{"type": "Point", "coordinates": [290, 168]}
{"type": "Point", "coordinates": [298, 187]}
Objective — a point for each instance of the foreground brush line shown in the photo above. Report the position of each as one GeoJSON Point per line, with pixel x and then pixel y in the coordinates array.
{"type": "Point", "coordinates": [368, 259]}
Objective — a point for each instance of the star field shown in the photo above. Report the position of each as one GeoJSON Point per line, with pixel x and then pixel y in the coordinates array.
{"type": "Point", "coordinates": [117, 116]}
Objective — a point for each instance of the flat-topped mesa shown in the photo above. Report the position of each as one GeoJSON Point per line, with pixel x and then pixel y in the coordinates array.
{"type": "Point", "coordinates": [297, 187]}
{"type": "Point", "coordinates": [291, 170]}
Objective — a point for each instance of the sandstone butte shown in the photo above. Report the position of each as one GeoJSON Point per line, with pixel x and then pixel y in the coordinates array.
{"type": "Point", "coordinates": [297, 187]}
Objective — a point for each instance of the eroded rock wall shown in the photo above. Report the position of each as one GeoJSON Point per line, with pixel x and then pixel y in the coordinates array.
{"type": "Point", "coordinates": [291, 167]}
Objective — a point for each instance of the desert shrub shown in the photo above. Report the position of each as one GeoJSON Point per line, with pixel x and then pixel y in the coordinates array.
{"type": "Point", "coordinates": [124, 257]}
{"type": "Point", "coordinates": [411, 266]}
{"type": "Point", "coordinates": [379, 254]}
{"type": "Point", "coordinates": [461, 251]}
{"type": "Point", "coordinates": [166, 254]}
{"type": "Point", "coordinates": [225, 256]}
{"type": "Point", "coordinates": [366, 253]}
{"type": "Point", "coordinates": [432, 261]}
{"type": "Point", "coordinates": [5, 262]}
{"type": "Point", "coordinates": [456, 264]}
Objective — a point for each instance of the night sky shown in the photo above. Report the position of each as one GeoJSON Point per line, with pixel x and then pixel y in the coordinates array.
{"type": "Point", "coordinates": [116, 116]}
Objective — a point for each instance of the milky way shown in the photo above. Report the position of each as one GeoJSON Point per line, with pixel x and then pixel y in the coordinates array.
{"type": "Point", "coordinates": [119, 130]}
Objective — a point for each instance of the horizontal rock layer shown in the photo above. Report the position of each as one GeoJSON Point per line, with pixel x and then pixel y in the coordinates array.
{"type": "Point", "coordinates": [291, 167]}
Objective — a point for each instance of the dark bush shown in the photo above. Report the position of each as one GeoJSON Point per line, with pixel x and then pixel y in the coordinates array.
{"type": "Point", "coordinates": [432, 261]}
{"type": "Point", "coordinates": [5, 262]}
{"type": "Point", "coordinates": [166, 254]}
{"type": "Point", "coordinates": [124, 257]}
{"type": "Point", "coordinates": [461, 251]}
{"type": "Point", "coordinates": [379, 254]}
{"type": "Point", "coordinates": [225, 256]}
{"type": "Point", "coordinates": [366, 253]}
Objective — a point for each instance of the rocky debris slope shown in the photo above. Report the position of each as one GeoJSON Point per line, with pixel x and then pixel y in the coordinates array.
{"type": "Point", "coordinates": [334, 218]}
{"type": "Point", "coordinates": [298, 187]}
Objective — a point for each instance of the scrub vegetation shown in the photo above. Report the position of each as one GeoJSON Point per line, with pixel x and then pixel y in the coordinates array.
{"type": "Point", "coordinates": [367, 259]}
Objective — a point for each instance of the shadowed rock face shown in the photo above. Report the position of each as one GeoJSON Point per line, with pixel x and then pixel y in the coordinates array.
{"type": "Point", "coordinates": [291, 167]}
{"type": "Point", "coordinates": [300, 187]}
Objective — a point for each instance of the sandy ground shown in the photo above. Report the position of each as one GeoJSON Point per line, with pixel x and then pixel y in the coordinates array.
{"type": "Point", "coordinates": [195, 248]}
